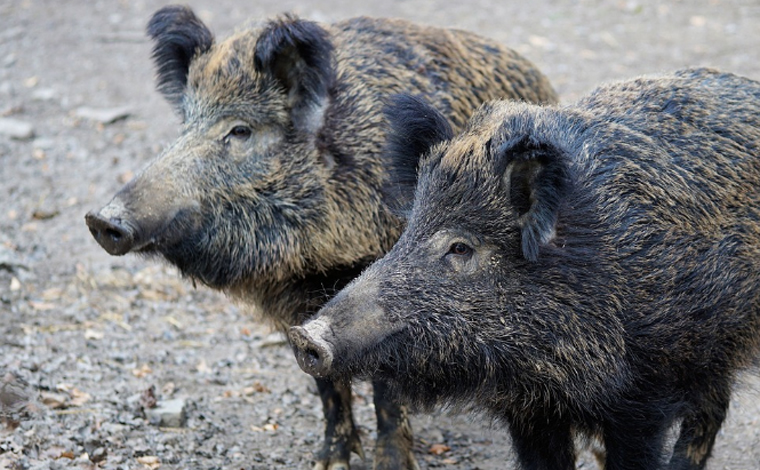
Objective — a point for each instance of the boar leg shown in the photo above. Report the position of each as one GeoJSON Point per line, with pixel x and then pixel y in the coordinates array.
{"type": "Point", "coordinates": [699, 429]}
{"type": "Point", "coordinates": [394, 433]}
{"type": "Point", "coordinates": [341, 437]}
{"type": "Point", "coordinates": [636, 442]}
{"type": "Point", "coordinates": [543, 442]}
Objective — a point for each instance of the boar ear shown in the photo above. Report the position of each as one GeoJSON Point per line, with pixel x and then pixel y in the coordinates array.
{"type": "Point", "coordinates": [178, 36]}
{"type": "Point", "coordinates": [298, 54]}
{"type": "Point", "coordinates": [414, 126]}
{"type": "Point", "coordinates": [537, 178]}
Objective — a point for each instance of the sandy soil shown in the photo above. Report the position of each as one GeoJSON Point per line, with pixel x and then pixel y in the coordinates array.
{"type": "Point", "coordinates": [95, 340]}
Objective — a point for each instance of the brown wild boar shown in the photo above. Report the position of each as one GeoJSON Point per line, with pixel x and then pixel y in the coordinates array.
{"type": "Point", "coordinates": [272, 192]}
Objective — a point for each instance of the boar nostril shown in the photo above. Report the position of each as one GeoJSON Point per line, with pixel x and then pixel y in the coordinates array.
{"type": "Point", "coordinates": [112, 234]}
{"type": "Point", "coordinates": [313, 355]}
{"type": "Point", "coordinates": [312, 358]}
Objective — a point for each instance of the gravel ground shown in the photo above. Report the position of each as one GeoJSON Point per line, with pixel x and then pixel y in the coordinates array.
{"type": "Point", "coordinates": [99, 345]}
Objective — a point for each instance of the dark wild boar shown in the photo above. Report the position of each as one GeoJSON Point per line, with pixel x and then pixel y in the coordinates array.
{"type": "Point", "coordinates": [587, 270]}
{"type": "Point", "coordinates": [272, 191]}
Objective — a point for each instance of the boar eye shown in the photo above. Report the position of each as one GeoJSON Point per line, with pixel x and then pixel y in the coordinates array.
{"type": "Point", "coordinates": [240, 132]}
{"type": "Point", "coordinates": [460, 249]}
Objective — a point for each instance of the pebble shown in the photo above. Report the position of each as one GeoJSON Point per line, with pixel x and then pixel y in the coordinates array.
{"type": "Point", "coordinates": [103, 115]}
{"type": "Point", "coordinates": [168, 413]}
{"type": "Point", "coordinates": [44, 144]}
{"type": "Point", "coordinates": [11, 261]}
{"type": "Point", "coordinates": [16, 129]}
{"type": "Point", "coordinates": [44, 94]}
{"type": "Point", "coordinates": [14, 393]}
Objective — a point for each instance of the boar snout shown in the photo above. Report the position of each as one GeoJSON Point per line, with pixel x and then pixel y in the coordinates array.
{"type": "Point", "coordinates": [313, 352]}
{"type": "Point", "coordinates": [111, 233]}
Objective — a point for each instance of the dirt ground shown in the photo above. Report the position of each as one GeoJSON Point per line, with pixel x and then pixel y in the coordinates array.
{"type": "Point", "coordinates": [96, 340]}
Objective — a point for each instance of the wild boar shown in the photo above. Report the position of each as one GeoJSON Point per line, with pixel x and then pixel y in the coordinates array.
{"type": "Point", "coordinates": [272, 191]}
{"type": "Point", "coordinates": [586, 270]}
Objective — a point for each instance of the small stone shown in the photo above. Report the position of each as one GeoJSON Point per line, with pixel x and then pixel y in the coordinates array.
{"type": "Point", "coordinates": [9, 60]}
{"type": "Point", "coordinates": [168, 413]}
{"type": "Point", "coordinates": [32, 82]}
{"type": "Point", "coordinates": [14, 392]}
{"type": "Point", "coordinates": [43, 143]}
{"type": "Point", "coordinates": [103, 115]}
{"type": "Point", "coordinates": [16, 129]}
{"type": "Point", "coordinates": [98, 455]}
{"type": "Point", "coordinates": [95, 450]}
{"type": "Point", "coordinates": [44, 94]}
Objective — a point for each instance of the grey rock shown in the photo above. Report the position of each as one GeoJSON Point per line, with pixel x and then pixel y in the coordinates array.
{"type": "Point", "coordinates": [16, 129]}
{"type": "Point", "coordinates": [103, 115]}
{"type": "Point", "coordinates": [9, 60]}
{"type": "Point", "coordinates": [44, 144]}
{"type": "Point", "coordinates": [44, 94]}
{"type": "Point", "coordinates": [168, 413]}
{"type": "Point", "coordinates": [11, 261]}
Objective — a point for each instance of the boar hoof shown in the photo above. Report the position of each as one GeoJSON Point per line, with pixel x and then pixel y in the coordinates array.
{"type": "Point", "coordinates": [338, 456]}
{"type": "Point", "coordinates": [314, 355]}
{"type": "Point", "coordinates": [331, 466]}
{"type": "Point", "coordinates": [395, 461]}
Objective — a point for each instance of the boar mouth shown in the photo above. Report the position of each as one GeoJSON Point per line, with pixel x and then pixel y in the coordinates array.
{"type": "Point", "coordinates": [121, 235]}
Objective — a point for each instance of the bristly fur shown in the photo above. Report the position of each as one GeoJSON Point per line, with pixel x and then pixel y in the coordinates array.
{"type": "Point", "coordinates": [632, 310]}
{"type": "Point", "coordinates": [178, 37]}
{"type": "Point", "coordinates": [414, 126]}
{"type": "Point", "coordinates": [273, 191]}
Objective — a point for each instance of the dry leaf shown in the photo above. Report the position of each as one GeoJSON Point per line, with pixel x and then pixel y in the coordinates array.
{"type": "Point", "coordinates": [78, 397]}
{"type": "Point", "coordinates": [142, 371]}
{"type": "Point", "coordinates": [150, 461]}
{"type": "Point", "coordinates": [152, 295]}
{"type": "Point", "coordinates": [41, 306]}
{"type": "Point", "coordinates": [202, 367]}
{"type": "Point", "coordinates": [54, 400]}
{"type": "Point", "coordinates": [438, 449]}
{"type": "Point", "coordinates": [257, 387]}
{"type": "Point", "coordinates": [54, 293]}
{"type": "Point", "coordinates": [44, 214]}
{"type": "Point", "coordinates": [92, 334]}
{"type": "Point", "coordinates": [173, 321]}
{"type": "Point", "coordinates": [698, 21]}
